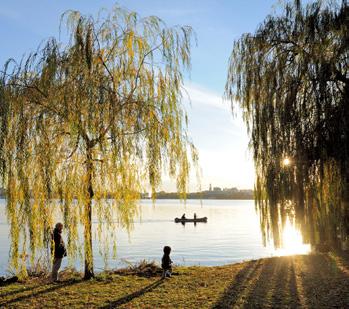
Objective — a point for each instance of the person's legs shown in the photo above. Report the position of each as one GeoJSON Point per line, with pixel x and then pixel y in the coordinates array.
{"type": "Point", "coordinates": [166, 273]}
{"type": "Point", "coordinates": [55, 267]}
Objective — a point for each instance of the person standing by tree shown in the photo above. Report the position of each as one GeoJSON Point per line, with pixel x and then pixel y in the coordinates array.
{"type": "Point", "coordinates": [59, 250]}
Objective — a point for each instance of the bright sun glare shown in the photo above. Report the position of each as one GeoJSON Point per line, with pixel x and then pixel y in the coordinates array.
{"type": "Point", "coordinates": [286, 162]}
{"type": "Point", "coordinates": [292, 241]}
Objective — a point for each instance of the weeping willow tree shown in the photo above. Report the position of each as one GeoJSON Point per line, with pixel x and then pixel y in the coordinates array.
{"type": "Point", "coordinates": [291, 79]}
{"type": "Point", "coordinates": [94, 118]}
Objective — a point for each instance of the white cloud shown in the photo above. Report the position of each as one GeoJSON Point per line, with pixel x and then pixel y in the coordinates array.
{"type": "Point", "coordinates": [221, 140]}
{"type": "Point", "coordinates": [199, 95]}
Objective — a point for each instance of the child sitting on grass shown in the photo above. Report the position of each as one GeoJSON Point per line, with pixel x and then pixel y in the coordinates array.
{"type": "Point", "coordinates": [166, 263]}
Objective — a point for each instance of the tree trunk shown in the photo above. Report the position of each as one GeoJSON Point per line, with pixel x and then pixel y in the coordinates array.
{"type": "Point", "coordinates": [88, 220]}
{"type": "Point", "coordinates": [345, 200]}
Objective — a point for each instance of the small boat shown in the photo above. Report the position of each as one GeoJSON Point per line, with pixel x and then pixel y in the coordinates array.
{"type": "Point", "coordinates": [177, 220]}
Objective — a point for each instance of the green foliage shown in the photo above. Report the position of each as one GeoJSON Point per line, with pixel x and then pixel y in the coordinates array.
{"type": "Point", "coordinates": [100, 114]}
{"type": "Point", "coordinates": [291, 79]}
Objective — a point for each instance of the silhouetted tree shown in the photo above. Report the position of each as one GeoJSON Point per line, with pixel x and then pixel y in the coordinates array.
{"type": "Point", "coordinates": [99, 114]}
{"type": "Point", "coordinates": [291, 79]}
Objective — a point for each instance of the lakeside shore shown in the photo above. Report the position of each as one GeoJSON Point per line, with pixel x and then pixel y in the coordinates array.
{"type": "Point", "coordinates": [302, 281]}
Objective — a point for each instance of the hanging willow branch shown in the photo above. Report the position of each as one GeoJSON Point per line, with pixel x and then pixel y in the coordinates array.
{"type": "Point", "coordinates": [291, 79]}
{"type": "Point", "coordinates": [98, 117]}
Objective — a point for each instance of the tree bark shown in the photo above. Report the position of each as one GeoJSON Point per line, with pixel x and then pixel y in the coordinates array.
{"type": "Point", "coordinates": [88, 220]}
{"type": "Point", "coordinates": [345, 232]}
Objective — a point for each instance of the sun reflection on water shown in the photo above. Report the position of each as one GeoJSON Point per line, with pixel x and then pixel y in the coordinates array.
{"type": "Point", "coordinates": [292, 241]}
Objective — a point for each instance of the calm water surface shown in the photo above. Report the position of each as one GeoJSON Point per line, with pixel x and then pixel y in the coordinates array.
{"type": "Point", "coordinates": [231, 234]}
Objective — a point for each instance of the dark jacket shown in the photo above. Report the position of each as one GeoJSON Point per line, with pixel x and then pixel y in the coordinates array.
{"type": "Point", "coordinates": [166, 262]}
{"type": "Point", "coordinates": [59, 247]}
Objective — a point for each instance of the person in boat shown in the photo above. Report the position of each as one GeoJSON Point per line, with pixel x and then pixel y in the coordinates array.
{"type": "Point", "coordinates": [166, 263]}
{"type": "Point", "coordinates": [183, 217]}
{"type": "Point", "coordinates": [194, 216]}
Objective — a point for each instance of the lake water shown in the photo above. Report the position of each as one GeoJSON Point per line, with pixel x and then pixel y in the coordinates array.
{"type": "Point", "coordinates": [232, 234]}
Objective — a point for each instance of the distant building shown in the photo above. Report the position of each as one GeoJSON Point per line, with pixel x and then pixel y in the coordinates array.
{"type": "Point", "coordinates": [231, 190]}
{"type": "Point", "coordinates": [212, 193]}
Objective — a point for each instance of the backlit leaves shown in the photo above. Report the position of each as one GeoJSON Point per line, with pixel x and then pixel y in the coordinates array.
{"type": "Point", "coordinates": [291, 80]}
{"type": "Point", "coordinates": [98, 117]}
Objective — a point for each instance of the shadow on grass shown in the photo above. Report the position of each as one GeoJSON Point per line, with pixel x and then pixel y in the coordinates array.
{"type": "Point", "coordinates": [8, 281]}
{"type": "Point", "coordinates": [240, 282]}
{"type": "Point", "coordinates": [20, 290]}
{"type": "Point", "coordinates": [275, 286]}
{"type": "Point", "coordinates": [50, 288]}
{"type": "Point", "coordinates": [340, 261]}
{"type": "Point", "coordinates": [326, 281]}
{"type": "Point", "coordinates": [271, 283]}
{"type": "Point", "coordinates": [128, 298]}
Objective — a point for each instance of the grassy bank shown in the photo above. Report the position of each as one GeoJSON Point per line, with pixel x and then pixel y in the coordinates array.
{"type": "Point", "coordinates": [313, 281]}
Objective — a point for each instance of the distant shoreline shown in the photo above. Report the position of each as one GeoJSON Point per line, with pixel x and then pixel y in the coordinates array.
{"type": "Point", "coordinates": [215, 194]}
{"type": "Point", "coordinates": [201, 198]}
{"type": "Point", "coordinates": [187, 198]}
{"type": "Point", "coordinates": [229, 194]}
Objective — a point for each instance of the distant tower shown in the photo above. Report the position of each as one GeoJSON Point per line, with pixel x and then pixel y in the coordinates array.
{"type": "Point", "coordinates": [210, 187]}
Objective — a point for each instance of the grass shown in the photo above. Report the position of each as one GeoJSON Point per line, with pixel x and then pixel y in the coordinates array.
{"type": "Point", "coordinates": [308, 281]}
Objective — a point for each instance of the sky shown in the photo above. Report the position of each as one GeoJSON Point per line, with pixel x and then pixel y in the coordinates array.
{"type": "Point", "coordinates": [220, 137]}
